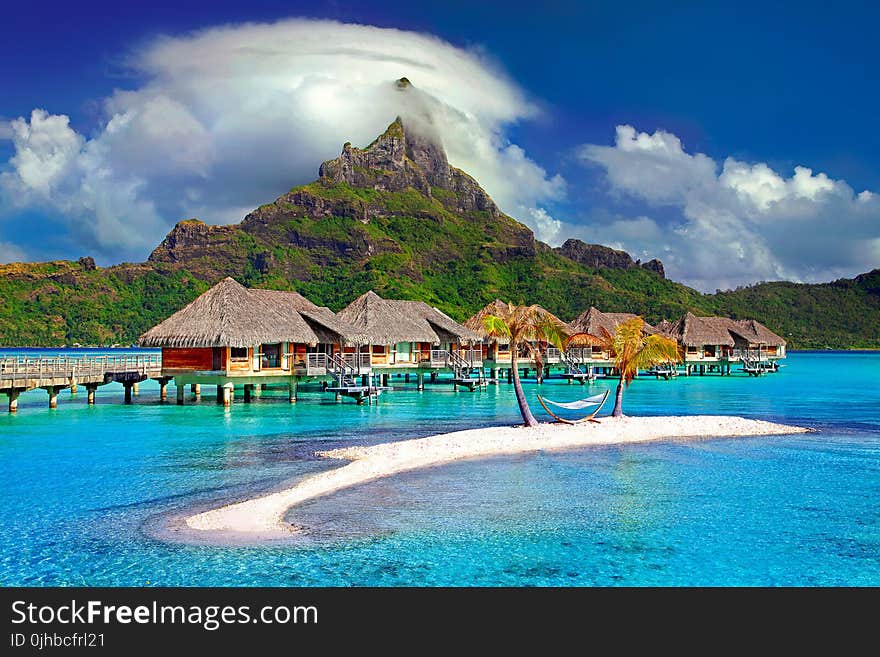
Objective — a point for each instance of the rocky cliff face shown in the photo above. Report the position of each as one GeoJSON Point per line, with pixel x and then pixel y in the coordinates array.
{"type": "Point", "coordinates": [401, 158]}
{"type": "Point", "coordinates": [596, 256]}
{"type": "Point", "coordinates": [655, 266]}
{"type": "Point", "coordinates": [191, 239]}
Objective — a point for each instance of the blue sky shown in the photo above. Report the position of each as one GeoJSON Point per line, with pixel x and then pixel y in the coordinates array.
{"type": "Point", "coordinates": [724, 101]}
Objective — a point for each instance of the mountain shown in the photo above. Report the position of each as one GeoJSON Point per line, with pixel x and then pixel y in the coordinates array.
{"type": "Point", "coordinates": [396, 217]}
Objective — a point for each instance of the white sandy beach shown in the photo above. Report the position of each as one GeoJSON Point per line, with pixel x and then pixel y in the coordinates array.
{"type": "Point", "coordinates": [264, 515]}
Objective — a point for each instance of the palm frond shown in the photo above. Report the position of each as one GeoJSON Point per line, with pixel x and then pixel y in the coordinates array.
{"type": "Point", "coordinates": [497, 327]}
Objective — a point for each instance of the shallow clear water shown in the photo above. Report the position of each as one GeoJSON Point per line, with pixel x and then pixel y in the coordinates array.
{"type": "Point", "coordinates": [80, 486]}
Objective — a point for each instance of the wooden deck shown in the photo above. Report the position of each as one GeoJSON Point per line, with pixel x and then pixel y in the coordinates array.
{"type": "Point", "coordinates": [55, 373]}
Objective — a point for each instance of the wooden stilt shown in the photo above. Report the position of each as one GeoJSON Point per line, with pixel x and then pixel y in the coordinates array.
{"type": "Point", "coordinates": [53, 396]}
{"type": "Point", "coordinates": [248, 391]}
{"type": "Point", "coordinates": [292, 393]}
{"type": "Point", "coordinates": [421, 381]}
{"type": "Point", "coordinates": [228, 391]}
{"type": "Point", "coordinates": [163, 389]}
{"type": "Point", "coordinates": [90, 394]}
{"type": "Point", "coordinates": [13, 400]}
{"type": "Point", "coordinates": [127, 387]}
{"type": "Point", "coordinates": [135, 388]}
{"type": "Point", "coordinates": [196, 389]}
{"type": "Point", "coordinates": [181, 392]}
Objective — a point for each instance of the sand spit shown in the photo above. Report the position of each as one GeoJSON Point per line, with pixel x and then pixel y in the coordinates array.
{"type": "Point", "coordinates": [263, 516]}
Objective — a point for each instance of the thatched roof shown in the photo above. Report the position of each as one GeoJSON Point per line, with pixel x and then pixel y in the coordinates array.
{"type": "Point", "coordinates": [693, 331]}
{"type": "Point", "coordinates": [388, 321]}
{"type": "Point", "coordinates": [499, 308]}
{"type": "Point", "coordinates": [664, 327]}
{"type": "Point", "coordinates": [475, 323]}
{"type": "Point", "coordinates": [594, 320]}
{"type": "Point", "coordinates": [231, 315]}
{"type": "Point", "coordinates": [755, 332]}
{"type": "Point", "coordinates": [324, 321]}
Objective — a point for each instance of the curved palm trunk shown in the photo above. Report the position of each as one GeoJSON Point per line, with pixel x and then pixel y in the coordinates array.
{"type": "Point", "coordinates": [528, 418]}
{"type": "Point", "coordinates": [618, 400]}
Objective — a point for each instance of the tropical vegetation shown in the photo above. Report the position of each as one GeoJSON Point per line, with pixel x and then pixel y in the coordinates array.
{"type": "Point", "coordinates": [527, 329]}
{"type": "Point", "coordinates": [631, 350]}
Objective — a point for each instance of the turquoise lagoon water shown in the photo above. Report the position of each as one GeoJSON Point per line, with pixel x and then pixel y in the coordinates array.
{"type": "Point", "coordinates": [84, 488]}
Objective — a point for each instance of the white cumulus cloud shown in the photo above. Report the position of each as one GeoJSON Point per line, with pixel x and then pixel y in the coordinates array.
{"type": "Point", "coordinates": [732, 223]}
{"type": "Point", "coordinates": [11, 253]}
{"type": "Point", "coordinates": [229, 117]}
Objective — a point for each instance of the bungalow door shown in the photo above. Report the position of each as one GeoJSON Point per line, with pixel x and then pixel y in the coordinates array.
{"type": "Point", "coordinates": [217, 358]}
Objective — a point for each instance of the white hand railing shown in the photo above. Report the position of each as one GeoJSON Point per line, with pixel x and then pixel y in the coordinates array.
{"type": "Point", "coordinates": [439, 357]}
{"type": "Point", "coordinates": [316, 361]}
{"type": "Point", "coordinates": [358, 361]}
{"type": "Point", "coordinates": [36, 367]}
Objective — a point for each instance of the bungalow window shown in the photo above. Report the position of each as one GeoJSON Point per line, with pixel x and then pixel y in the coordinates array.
{"type": "Point", "coordinates": [692, 350]}
{"type": "Point", "coordinates": [271, 356]}
{"type": "Point", "coordinates": [503, 346]}
{"type": "Point", "coordinates": [404, 351]}
{"type": "Point", "coordinates": [238, 353]}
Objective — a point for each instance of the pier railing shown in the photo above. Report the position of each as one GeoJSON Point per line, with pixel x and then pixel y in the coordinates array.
{"type": "Point", "coordinates": [357, 362]}
{"type": "Point", "coordinates": [360, 362]}
{"type": "Point", "coordinates": [316, 361]}
{"type": "Point", "coordinates": [444, 358]}
{"type": "Point", "coordinates": [45, 367]}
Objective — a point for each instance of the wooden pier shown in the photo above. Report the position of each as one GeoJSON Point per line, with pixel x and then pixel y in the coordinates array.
{"type": "Point", "coordinates": [56, 373]}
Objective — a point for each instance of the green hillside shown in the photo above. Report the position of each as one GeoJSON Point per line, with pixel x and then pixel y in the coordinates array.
{"type": "Point", "coordinates": [396, 218]}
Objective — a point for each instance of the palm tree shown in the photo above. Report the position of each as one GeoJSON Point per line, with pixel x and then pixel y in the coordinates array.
{"type": "Point", "coordinates": [633, 350]}
{"type": "Point", "coordinates": [524, 326]}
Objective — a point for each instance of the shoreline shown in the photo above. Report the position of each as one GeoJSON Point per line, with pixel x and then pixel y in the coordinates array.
{"type": "Point", "coordinates": [263, 518]}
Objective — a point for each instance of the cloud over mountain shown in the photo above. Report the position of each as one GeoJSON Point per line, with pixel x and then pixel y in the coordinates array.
{"type": "Point", "coordinates": [228, 117]}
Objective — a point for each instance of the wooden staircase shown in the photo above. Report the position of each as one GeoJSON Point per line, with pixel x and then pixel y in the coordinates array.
{"type": "Point", "coordinates": [574, 368]}
{"type": "Point", "coordinates": [465, 372]}
{"type": "Point", "coordinates": [345, 375]}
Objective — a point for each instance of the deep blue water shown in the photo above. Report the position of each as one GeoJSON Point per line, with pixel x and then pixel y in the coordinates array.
{"type": "Point", "coordinates": [83, 487]}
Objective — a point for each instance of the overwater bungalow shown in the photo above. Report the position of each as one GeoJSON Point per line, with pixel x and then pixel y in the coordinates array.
{"type": "Point", "coordinates": [754, 340]}
{"type": "Point", "coordinates": [411, 336]}
{"type": "Point", "coordinates": [713, 343]}
{"type": "Point", "coordinates": [591, 323]}
{"type": "Point", "coordinates": [495, 351]}
{"type": "Point", "coordinates": [234, 335]}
